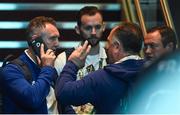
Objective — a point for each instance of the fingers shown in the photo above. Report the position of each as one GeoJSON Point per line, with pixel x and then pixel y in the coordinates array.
{"type": "Point", "coordinates": [85, 48]}
{"type": "Point", "coordinates": [38, 60]}
{"type": "Point", "coordinates": [88, 49]}
{"type": "Point", "coordinates": [50, 52]}
{"type": "Point", "coordinates": [82, 48]}
{"type": "Point", "coordinates": [81, 52]}
{"type": "Point", "coordinates": [79, 49]}
{"type": "Point", "coordinates": [42, 49]}
{"type": "Point", "coordinates": [79, 55]}
{"type": "Point", "coordinates": [48, 58]}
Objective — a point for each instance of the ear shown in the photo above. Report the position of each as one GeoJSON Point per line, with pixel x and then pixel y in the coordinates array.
{"type": "Point", "coordinates": [118, 47]}
{"type": "Point", "coordinates": [77, 29]}
{"type": "Point", "coordinates": [104, 26]}
{"type": "Point", "coordinates": [34, 37]}
{"type": "Point", "coordinates": [169, 46]}
{"type": "Point", "coordinates": [119, 51]}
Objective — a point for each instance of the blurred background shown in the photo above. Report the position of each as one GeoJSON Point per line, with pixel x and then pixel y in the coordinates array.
{"type": "Point", "coordinates": [15, 15]}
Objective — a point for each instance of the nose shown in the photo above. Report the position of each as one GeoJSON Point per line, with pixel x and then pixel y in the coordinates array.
{"type": "Point", "coordinates": [56, 43]}
{"type": "Point", "coordinates": [148, 50]}
{"type": "Point", "coordinates": [93, 31]}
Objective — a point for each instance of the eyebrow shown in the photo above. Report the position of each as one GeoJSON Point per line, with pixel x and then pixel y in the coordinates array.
{"type": "Point", "coordinates": [93, 25]}
{"type": "Point", "coordinates": [55, 36]}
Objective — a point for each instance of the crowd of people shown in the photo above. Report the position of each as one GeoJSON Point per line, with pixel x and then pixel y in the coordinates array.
{"type": "Point", "coordinates": [90, 78]}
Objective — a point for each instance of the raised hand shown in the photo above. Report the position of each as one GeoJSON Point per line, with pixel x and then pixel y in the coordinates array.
{"type": "Point", "coordinates": [79, 55]}
{"type": "Point", "coordinates": [47, 58]}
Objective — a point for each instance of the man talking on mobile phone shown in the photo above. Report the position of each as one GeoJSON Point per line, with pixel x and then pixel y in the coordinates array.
{"type": "Point", "coordinates": [22, 96]}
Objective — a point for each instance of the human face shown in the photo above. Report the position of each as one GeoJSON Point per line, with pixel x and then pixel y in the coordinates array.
{"type": "Point", "coordinates": [91, 28]}
{"type": "Point", "coordinates": [113, 50]}
{"type": "Point", "coordinates": [153, 46]}
{"type": "Point", "coordinates": [50, 35]}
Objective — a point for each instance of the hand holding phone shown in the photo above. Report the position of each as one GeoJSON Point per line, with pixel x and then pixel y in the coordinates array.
{"type": "Point", "coordinates": [36, 45]}
{"type": "Point", "coordinates": [47, 58]}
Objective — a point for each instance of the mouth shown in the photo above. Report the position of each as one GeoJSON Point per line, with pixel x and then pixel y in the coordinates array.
{"type": "Point", "coordinates": [149, 58]}
{"type": "Point", "coordinates": [93, 41]}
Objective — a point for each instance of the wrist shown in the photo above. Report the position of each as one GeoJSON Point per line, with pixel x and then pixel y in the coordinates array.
{"type": "Point", "coordinates": [78, 63]}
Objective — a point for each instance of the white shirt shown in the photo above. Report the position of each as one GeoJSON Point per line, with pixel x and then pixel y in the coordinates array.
{"type": "Point", "coordinates": [51, 104]}
{"type": "Point", "coordinates": [90, 60]}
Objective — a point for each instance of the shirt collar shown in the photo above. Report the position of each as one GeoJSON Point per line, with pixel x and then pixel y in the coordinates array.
{"type": "Point", "coordinates": [134, 57]}
{"type": "Point", "coordinates": [29, 56]}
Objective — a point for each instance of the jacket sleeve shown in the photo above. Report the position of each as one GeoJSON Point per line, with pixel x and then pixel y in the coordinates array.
{"type": "Point", "coordinates": [71, 92]}
{"type": "Point", "coordinates": [23, 93]}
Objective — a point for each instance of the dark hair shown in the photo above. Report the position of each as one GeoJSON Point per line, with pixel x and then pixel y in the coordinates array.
{"type": "Point", "coordinates": [87, 10]}
{"type": "Point", "coordinates": [167, 35]}
{"type": "Point", "coordinates": [38, 23]}
{"type": "Point", "coordinates": [130, 36]}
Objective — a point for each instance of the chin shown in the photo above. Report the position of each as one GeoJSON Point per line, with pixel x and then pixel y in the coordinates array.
{"type": "Point", "coordinates": [94, 44]}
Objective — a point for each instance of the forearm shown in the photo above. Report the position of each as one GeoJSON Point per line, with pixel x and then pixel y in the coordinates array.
{"type": "Point", "coordinates": [72, 92]}
{"type": "Point", "coordinates": [69, 73]}
{"type": "Point", "coordinates": [19, 89]}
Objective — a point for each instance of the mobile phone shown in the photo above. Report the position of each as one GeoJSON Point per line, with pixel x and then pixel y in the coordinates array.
{"type": "Point", "coordinates": [36, 45]}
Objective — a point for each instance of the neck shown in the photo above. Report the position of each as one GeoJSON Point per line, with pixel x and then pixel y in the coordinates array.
{"type": "Point", "coordinates": [31, 54]}
{"type": "Point", "coordinates": [123, 55]}
{"type": "Point", "coordinates": [94, 50]}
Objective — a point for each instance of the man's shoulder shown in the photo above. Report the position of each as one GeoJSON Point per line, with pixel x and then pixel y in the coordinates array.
{"type": "Point", "coordinates": [60, 61]}
{"type": "Point", "coordinates": [15, 64]}
{"type": "Point", "coordinates": [62, 57]}
{"type": "Point", "coordinates": [61, 54]}
{"type": "Point", "coordinates": [18, 62]}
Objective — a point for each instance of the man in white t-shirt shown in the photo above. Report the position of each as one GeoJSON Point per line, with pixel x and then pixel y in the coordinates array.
{"type": "Point", "coordinates": [90, 27]}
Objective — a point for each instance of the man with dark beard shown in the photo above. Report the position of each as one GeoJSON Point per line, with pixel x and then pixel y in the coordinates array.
{"type": "Point", "coordinates": [90, 27]}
